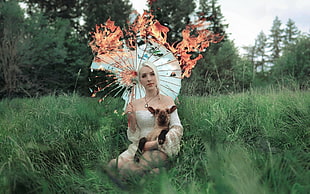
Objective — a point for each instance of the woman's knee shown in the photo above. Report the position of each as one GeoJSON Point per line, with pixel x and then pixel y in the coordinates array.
{"type": "Point", "coordinates": [112, 163]}
{"type": "Point", "coordinates": [116, 163]}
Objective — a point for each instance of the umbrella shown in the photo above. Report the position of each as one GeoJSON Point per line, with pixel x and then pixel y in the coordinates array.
{"type": "Point", "coordinates": [124, 66]}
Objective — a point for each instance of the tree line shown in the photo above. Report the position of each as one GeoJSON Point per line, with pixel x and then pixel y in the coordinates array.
{"type": "Point", "coordinates": [44, 47]}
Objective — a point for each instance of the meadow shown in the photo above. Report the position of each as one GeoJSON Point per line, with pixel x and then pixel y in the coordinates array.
{"type": "Point", "coordinates": [252, 142]}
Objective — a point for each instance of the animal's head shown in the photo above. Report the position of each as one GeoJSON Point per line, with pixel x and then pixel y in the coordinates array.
{"type": "Point", "coordinates": [162, 116]}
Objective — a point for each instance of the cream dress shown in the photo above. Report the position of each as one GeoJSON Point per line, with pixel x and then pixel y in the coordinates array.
{"type": "Point", "coordinates": [145, 124]}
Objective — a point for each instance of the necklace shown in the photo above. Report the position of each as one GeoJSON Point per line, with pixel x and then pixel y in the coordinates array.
{"type": "Point", "coordinates": [146, 105]}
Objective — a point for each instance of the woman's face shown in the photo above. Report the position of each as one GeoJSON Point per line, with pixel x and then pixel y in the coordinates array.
{"type": "Point", "coordinates": [148, 78]}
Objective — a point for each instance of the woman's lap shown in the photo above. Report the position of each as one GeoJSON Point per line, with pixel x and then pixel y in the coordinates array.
{"type": "Point", "coordinates": [153, 159]}
{"type": "Point", "coordinates": [149, 161]}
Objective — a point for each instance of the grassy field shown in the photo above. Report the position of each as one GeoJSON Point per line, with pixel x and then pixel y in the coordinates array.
{"type": "Point", "coordinates": [255, 142]}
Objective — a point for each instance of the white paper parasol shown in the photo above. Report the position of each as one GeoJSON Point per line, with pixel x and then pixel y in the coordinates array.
{"type": "Point", "coordinates": [125, 65]}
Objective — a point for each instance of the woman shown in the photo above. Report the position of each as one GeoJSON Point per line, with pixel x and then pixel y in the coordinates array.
{"type": "Point", "coordinates": [141, 122]}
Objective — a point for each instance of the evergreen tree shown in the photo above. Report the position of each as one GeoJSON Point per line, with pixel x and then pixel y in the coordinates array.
{"type": "Point", "coordinates": [250, 52]}
{"type": "Point", "coordinates": [291, 33]}
{"type": "Point", "coordinates": [173, 14]}
{"type": "Point", "coordinates": [211, 11]}
{"type": "Point", "coordinates": [53, 9]}
{"type": "Point", "coordinates": [99, 11]}
{"type": "Point", "coordinates": [218, 73]}
{"type": "Point", "coordinates": [276, 39]}
{"type": "Point", "coordinates": [295, 62]}
{"type": "Point", "coordinates": [261, 54]}
{"type": "Point", "coordinates": [217, 18]}
{"type": "Point", "coordinates": [250, 57]}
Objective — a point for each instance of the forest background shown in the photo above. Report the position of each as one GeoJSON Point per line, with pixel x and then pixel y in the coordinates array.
{"type": "Point", "coordinates": [44, 48]}
{"type": "Point", "coordinates": [249, 135]}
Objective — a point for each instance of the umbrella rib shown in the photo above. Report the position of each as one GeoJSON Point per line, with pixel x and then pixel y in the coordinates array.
{"type": "Point", "coordinates": [169, 89]}
{"type": "Point", "coordinates": [124, 62]}
{"type": "Point", "coordinates": [170, 83]}
{"type": "Point", "coordinates": [113, 91]}
{"type": "Point", "coordinates": [108, 63]}
{"type": "Point", "coordinates": [176, 77]}
{"type": "Point", "coordinates": [167, 53]}
{"type": "Point", "coordinates": [120, 86]}
{"type": "Point", "coordinates": [168, 70]}
{"type": "Point", "coordinates": [175, 60]}
{"type": "Point", "coordinates": [116, 61]}
{"type": "Point", "coordinates": [144, 51]}
{"type": "Point", "coordinates": [133, 61]}
{"type": "Point", "coordinates": [152, 54]}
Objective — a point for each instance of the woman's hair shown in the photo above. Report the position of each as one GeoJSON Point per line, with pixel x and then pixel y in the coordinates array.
{"type": "Point", "coordinates": [153, 67]}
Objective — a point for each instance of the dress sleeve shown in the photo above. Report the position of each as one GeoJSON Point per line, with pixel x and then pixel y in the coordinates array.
{"type": "Point", "coordinates": [172, 143]}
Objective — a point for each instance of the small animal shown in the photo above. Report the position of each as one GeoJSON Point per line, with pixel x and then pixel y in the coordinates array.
{"type": "Point", "coordinates": [161, 128]}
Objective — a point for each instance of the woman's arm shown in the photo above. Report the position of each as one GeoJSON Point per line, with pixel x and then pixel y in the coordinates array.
{"type": "Point", "coordinates": [131, 117]}
{"type": "Point", "coordinates": [132, 132]}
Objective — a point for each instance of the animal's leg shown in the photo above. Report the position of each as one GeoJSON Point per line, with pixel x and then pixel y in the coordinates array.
{"type": "Point", "coordinates": [162, 136]}
{"type": "Point", "coordinates": [142, 142]}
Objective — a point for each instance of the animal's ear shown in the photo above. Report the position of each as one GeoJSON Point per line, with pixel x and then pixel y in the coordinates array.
{"type": "Point", "coordinates": [151, 109]}
{"type": "Point", "coordinates": [172, 109]}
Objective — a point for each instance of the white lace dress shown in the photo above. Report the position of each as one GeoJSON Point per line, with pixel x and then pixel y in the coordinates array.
{"type": "Point", "coordinates": [145, 124]}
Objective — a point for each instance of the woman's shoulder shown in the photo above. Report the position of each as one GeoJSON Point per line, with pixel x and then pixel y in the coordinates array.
{"type": "Point", "coordinates": [167, 100]}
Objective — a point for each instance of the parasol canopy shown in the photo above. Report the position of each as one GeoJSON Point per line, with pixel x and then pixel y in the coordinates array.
{"type": "Point", "coordinates": [125, 64]}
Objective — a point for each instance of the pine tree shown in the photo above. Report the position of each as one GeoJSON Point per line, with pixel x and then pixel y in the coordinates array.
{"type": "Point", "coordinates": [53, 9]}
{"type": "Point", "coordinates": [173, 14]}
{"type": "Point", "coordinates": [291, 33]}
{"type": "Point", "coordinates": [250, 56]}
{"type": "Point", "coordinates": [217, 18]}
{"type": "Point", "coordinates": [211, 11]}
{"type": "Point", "coordinates": [276, 40]}
{"type": "Point", "coordinates": [99, 11]}
{"type": "Point", "coordinates": [261, 54]}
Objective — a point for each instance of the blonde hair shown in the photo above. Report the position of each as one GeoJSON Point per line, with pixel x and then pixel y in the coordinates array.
{"type": "Point", "coordinates": [153, 67]}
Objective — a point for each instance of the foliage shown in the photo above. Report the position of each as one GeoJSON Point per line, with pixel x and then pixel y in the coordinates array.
{"type": "Point", "coordinates": [254, 142]}
{"type": "Point", "coordinates": [54, 9]}
{"type": "Point", "coordinates": [98, 12]}
{"type": "Point", "coordinates": [10, 38]}
{"type": "Point", "coordinates": [224, 72]}
{"type": "Point", "coordinates": [44, 48]}
{"type": "Point", "coordinates": [276, 39]}
{"type": "Point", "coordinates": [43, 54]}
{"type": "Point", "coordinates": [295, 62]}
{"type": "Point", "coordinates": [261, 52]}
{"type": "Point", "coordinates": [267, 50]}
{"type": "Point", "coordinates": [291, 33]}
{"type": "Point", "coordinates": [173, 14]}
{"type": "Point", "coordinates": [211, 11]}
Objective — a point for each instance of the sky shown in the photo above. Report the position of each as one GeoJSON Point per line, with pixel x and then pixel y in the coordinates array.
{"type": "Point", "coordinates": [247, 18]}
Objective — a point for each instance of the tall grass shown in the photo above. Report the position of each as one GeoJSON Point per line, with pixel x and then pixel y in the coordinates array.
{"type": "Point", "coordinates": [255, 142]}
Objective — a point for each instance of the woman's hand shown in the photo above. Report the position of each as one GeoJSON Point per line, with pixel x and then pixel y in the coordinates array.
{"type": "Point", "coordinates": [150, 145]}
